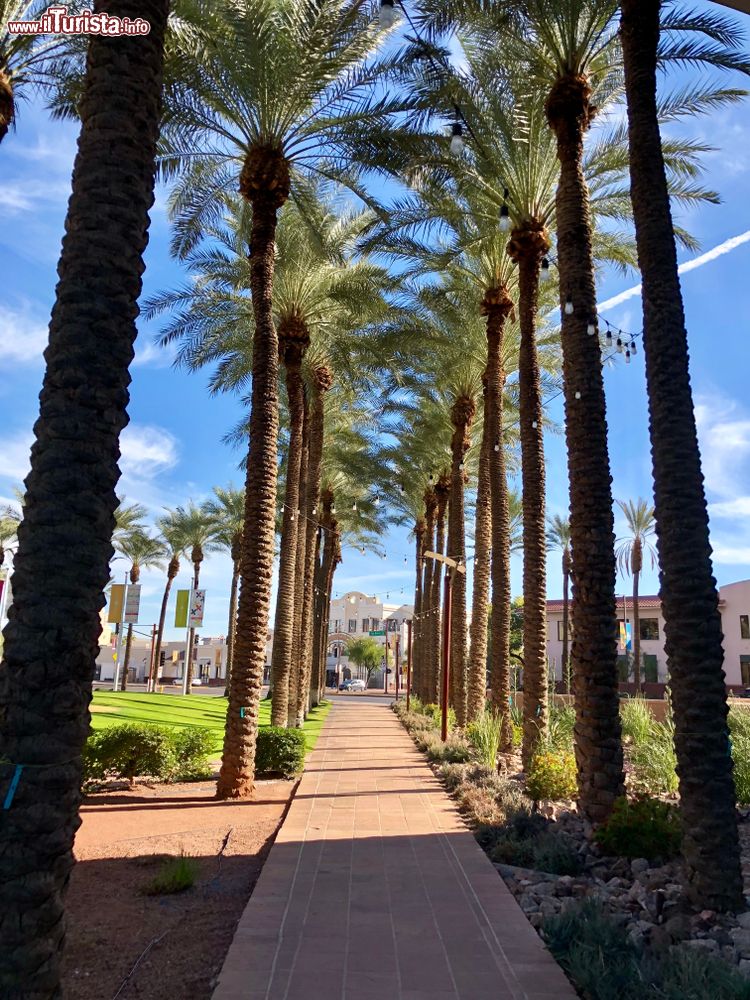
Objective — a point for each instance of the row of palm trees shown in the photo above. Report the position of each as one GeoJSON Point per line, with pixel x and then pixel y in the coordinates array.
{"type": "Point", "coordinates": [271, 100]}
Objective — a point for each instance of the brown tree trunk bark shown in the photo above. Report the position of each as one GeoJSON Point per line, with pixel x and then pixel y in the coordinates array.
{"type": "Point", "coordinates": [420, 531]}
{"type": "Point", "coordinates": [477, 694]}
{"type": "Point", "coordinates": [464, 411]}
{"type": "Point", "coordinates": [528, 247]}
{"type": "Point", "coordinates": [693, 634]}
{"type": "Point", "coordinates": [442, 491]}
{"type": "Point", "coordinates": [598, 741]}
{"type": "Point", "coordinates": [232, 620]}
{"type": "Point", "coordinates": [282, 656]}
{"type": "Point", "coordinates": [298, 665]}
{"type": "Point", "coordinates": [636, 635]}
{"type": "Point", "coordinates": [172, 570]}
{"type": "Point", "coordinates": [265, 182]}
{"type": "Point", "coordinates": [52, 638]}
{"type": "Point", "coordinates": [497, 306]}
{"type": "Point", "coordinates": [566, 667]}
{"type": "Point", "coordinates": [126, 658]}
{"type": "Point", "coordinates": [429, 654]}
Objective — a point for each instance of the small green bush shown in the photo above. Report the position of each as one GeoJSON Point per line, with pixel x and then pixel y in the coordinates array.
{"type": "Point", "coordinates": [280, 751]}
{"type": "Point", "coordinates": [415, 721]}
{"type": "Point", "coordinates": [546, 851]}
{"type": "Point", "coordinates": [655, 762]}
{"type": "Point", "coordinates": [484, 736]}
{"type": "Point", "coordinates": [193, 747]}
{"type": "Point", "coordinates": [636, 719]}
{"type": "Point", "coordinates": [739, 723]}
{"type": "Point", "coordinates": [453, 775]}
{"type": "Point", "coordinates": [643, 827]}
{"type": "Point", "coordinates": [175, 875]}
{"type": "Point", "coordinates": [741, 758]}
{"type": "Point", "coordinates": [552, 775]}
{"type": "Point", "coordinates": [434, 712]}
{"type": "Point", "coordinates": [455, 750]}
{"type": "Point", "coordinates": [689, 975]}
{"type": "Point", "coordinates": [130, 751]}
{"type": "Point", "coordinates": [562, 719]}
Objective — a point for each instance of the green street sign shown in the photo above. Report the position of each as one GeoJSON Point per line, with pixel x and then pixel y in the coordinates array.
{"type": "Point", "coordinates": [380, 632]}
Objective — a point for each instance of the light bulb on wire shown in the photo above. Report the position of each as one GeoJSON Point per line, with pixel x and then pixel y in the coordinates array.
{"type": "Point", "coordinates": [457, 138]}
{"type": "Point", "coordinates": [376, 501]}
{"type": "Point", "coordinates": [569, 306]}
{"type": "Point", "coordinates": [620, 346]}
{"type": "Point", "coordinates": [546, 273]}
{"type": "Point", "coordinates": [608, 338]}
{"type": "Point", "coordinates": [633, 348]}
{"type": "Point", "coordinates": [591, 328]}
{"type": "Point", "coordinates": [354, 507]}
{"type": "Point", "coordinates": [387, 15]}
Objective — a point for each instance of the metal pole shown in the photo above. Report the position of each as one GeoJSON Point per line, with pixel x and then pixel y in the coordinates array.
{"type": "Point", "coordinates": [385, 675]}
{"type": "Point", "coordinates": [188, 644]}
{"type": "Point", "coordinates": [448, 599]}
{"type": "Point", "coordinates": [397, 659]}
{"type": "Point", "coordinates": [151, 658]}
{"type": "Point", "coordinates": [120, 629]}
{"type": "Point", "coordinates": [408, 663]}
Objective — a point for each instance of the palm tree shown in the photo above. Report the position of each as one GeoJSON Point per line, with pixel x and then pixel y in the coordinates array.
{"type": "Point", "coordinates": [128, 517]}
{"type": "Point", "coordinates": [558, 537]}
{"type": "Point", "coordinates": [143, 552]}
{"type": "Point", "coordinates": [172, 533]}
{"type": "Point", "coordinates": [70, 494]}
{"type": "Point", "coordinates": [227, 512]}
{"type": "Point", "coordinates": [688, 588]}
{"type": "Point", "coordinates": [199, 531]}
{"type": "Point", "coordinates": [244, 114]}
{"type": "Point", "coordinates": [639, 516]}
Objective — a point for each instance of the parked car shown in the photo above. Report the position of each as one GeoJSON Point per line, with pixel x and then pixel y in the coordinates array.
{"type": "Point", "coordinates": [345, 685]}
{"type": "Point", "coordinates": [357, 685]}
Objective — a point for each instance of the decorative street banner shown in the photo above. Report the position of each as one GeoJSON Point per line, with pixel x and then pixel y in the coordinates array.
{"type": "Point", "coordinates": [133, 604]}
{"type": "Point", "coordinates": [625, 636]}
{"type": "Point", "coordinates": [196, 609]}
{"type": "Point", "coordinates": [116, 601]}
{"type": "Point", "coordinates": [181, 609]}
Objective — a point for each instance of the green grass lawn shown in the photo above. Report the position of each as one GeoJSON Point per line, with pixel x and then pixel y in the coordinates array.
{"type": "Point", "coordinates": [202, 711]}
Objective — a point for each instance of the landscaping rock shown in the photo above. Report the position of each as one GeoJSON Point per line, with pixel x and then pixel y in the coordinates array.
{"type": "Point", "coordinates": [743, 919]}
{"type": "Point", "coordinates": [638, 866]}
{"type": "Point", "coordinates": [744, 967]}
{"type": "Point", "coordinates": [678, 927]}
{"type": "Point", "coordinates": [741, 940]}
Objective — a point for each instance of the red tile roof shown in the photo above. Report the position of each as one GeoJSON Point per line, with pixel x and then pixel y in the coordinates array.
{"type": "Point", "coordinates": [648, 602]}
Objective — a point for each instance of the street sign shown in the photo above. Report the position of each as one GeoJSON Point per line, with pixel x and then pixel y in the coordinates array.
{"type": "Point", "coordinates": [197, 608]}
{"type": "Point", "coordinates": [132, 604]}
{"type": "Point", "coordinates": [377, 632]}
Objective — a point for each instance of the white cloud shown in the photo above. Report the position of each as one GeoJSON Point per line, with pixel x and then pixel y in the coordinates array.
{"type": "Point", "coordinates": [147, 451]}
{"type": "Point", "coordinates": [731, 555]}
{"type": "Point", "coordinates": [148, 353]}
{"type": "Point", "coordinates": [23, 338]}
{"type": "Point", "coordinates": [14, 456]}
{"type": "Point", "coordinates": [26, 196]}
{"type": "Point", "coordinates": [690, 265]}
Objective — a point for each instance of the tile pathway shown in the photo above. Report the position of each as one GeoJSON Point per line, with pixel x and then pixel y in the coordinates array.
{"type": "Point", "coordinates": [376, 890]}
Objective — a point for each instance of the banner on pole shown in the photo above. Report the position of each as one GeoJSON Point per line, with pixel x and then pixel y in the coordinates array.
{"type": "Point", "coordinates": [132, 604]}
{"type": "Point", "coordinates": [196, 608]}
{"type": "Point", "coordinates": [116, 601]}
{"type": "Point", "coordinates": [181, 609]}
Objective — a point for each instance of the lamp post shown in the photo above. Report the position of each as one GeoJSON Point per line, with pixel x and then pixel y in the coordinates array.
{"type": "Point", "coordinates": [453, 566]}
{"type": "Point", "coordinates": [408, 662]}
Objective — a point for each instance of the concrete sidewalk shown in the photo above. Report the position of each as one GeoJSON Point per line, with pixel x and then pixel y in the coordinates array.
{"type": "Point", "coordinates": [376, 890]}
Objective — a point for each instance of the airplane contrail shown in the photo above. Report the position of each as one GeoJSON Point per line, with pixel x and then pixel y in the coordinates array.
{"type": "Point", "coordinates": [690, 265]}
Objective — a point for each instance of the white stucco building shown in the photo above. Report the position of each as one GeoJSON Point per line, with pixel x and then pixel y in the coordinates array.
{"type": "Point", "coordinates": [356, 615]}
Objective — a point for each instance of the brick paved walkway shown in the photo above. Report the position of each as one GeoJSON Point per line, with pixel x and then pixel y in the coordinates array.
{"type": "Point", "coordinates": [376, 890]}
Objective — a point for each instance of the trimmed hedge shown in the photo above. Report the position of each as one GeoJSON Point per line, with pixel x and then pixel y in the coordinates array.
{"type": "Point", "coordinates": [135, 750]}
{"type": "Point", "coordinates": [280, 751]}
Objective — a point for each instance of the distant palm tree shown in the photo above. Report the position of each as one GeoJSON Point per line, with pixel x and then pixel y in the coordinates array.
{"type": "Point", "coordinates": [630, 551]}
{"type": "Point", "coordinates": [172, 532]}
{"type": "Point", "coordinates": [128, 516]}
{"type": "Point", "coordinates": [228, 514]}
{"type": "Point", "coordinates": [199, 532]}
{"type": "Point", "coordinates": [558, 537]}
{"type": "Point", "coordinates": [143, 552]}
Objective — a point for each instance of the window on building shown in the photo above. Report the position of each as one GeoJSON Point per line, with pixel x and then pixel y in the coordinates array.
{"type": "Point", "coordinates": [352, 626]}
{"type": "Point", "coordinates": [375, 624]}
{"type": "Point", "coordinates": [745, 626]}
{"type": "Point", "coordinates": [649, 628]}
{"type": "Point", "coordinates": [365, 624]}
{"type": "Point", "coordinates": [745, 670]}
{"type": "Point", "coordinates": [560, 636]}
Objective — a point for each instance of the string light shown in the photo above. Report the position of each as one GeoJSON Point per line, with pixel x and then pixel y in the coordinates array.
{"type": "Point", "coordinates": [578, 395]}
{"type": "Point", "coordinates": [619, 345]}
{"type": "Point", "coordinates": [591, 328]}
{"type": "Point", "coordinates": [354, 507]}
{"type": "Point", "coordinates": [401, 488]}
{"type": "Point", "coordinates": [627, 357]}
{"type": "Point", "coordinates": [608, 337]}
{"type": "Point", "coordinates": [457, 138]}
{"type": "Point", "coordinates": [534, 424]}
{"type": "Point", "coordinates": [546, 273]}
{"type": "Point", "coordinates": [633, 348]}
{"type": "Point", "coordinates": [505, 213]}
{"type": "Point", "coordinates": [333, 508]}
{"type": "Point", "coordinates": [568, 306]}
{"type": "Point", "coordinates": [497, 444]}
{"type": "Point", "coordinates": [387, 16]}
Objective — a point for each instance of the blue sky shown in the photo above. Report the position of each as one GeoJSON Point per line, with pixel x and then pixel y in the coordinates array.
{"type": "Point", "coordinates": [173, 450]}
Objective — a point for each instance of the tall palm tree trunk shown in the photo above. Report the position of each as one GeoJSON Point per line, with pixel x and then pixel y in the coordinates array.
{"type": "Point", "coordinates": [566, 666]}
{"type": "Point", "coordinates": [637, 564]}
{"type": "Point", "coordinates": [528, 247]}
{"type": "Point", "coordinates": [320, 627]}
{"type": "Point", "coordinates": [299, 663]}
{"type": "Point", "coordinates": [442, 492]}
{"type": "Point", "coordinates": [693, 634]}
{"type": "Point", "coordinates": [428, 653]}
{"type": "Point", "coordinates": [323, 381]}
{"type": "Point", "coordinates": [232, 619]}
{"type": "Point", "coordinates": [52, 639]}
{"type": "Point", "coordinates": [477, 684]}
{"type": "Point", "coordinates": [265, 182]}
{"type": "Point", "coordinates": [463, 413]}
{"type": "Point", "coordinates": [420, 530]}
{"type": "Point", "coordinates": [172, 570]}
{"type": "Point", "coordinates": [497, 306]}
{"type": "Point", "coordinates": [282, 654]}
{"type": "Point", "coordinates": [598, 739]}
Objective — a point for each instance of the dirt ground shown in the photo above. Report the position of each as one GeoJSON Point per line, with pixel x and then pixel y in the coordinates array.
{"type": "Point", "coordinates": [119, 847]}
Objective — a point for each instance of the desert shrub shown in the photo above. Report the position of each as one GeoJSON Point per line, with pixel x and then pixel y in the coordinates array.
{"type": "Point", "coordinates": [741, 758]}
{"type": "Point", "coordinates": [434, 712]}
{"type": "Point", "coordinates": [686, 974]}
{"type": "Point", "coordinates": [453, 775]}
{"type": "Point", "coordinates": [562, 719]}
{"type": "Point", "coordinates": [642, 827]}
{"type": "Point", "coordinates": [481, 805]}
{"type": "Point", "coordinates": [415, 721]}
{"type": "Point", "coordinates": [552, 775]}
{"type": "Point", "coordinates": [655, 762]}
{"type": "Point", "coordinates": [636, 720]}
{"type": "Point", "coordinates": [279, 751]}
{"type": "Point", "coordinates": [484, 736]}
{"type": "Point", "coordinates": [455, 750]}
{"type": "Point", "coordinates": [175, 875]}
{"type": "Point", "coordinates": [739, 723]}
{"type": "Point", "coordinates": [130, 751]}
{"type": "Point", "coordinates": [546, 851]}
{"type": "Point", "coordinates": [193, 747]}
